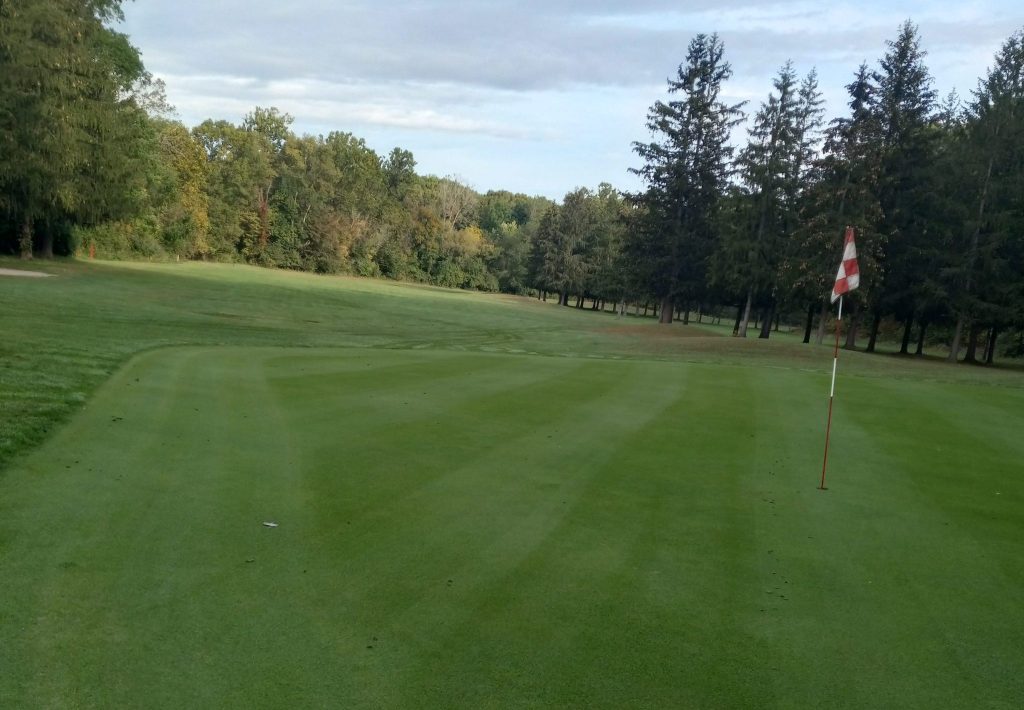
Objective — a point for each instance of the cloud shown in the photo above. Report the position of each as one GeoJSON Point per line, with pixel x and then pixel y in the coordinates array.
{"type": "Point", "coordinates": [548, 90]}
{"type": "Point", "coordinates": [445, 108]}
{"type": "Point", "coordinates": [518, 46]}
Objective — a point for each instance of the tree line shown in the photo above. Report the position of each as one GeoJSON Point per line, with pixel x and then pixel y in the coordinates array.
{"type": "Point", "coordinates": [91, 161]}
{"type": "Point", "coordinates": [935, 190]}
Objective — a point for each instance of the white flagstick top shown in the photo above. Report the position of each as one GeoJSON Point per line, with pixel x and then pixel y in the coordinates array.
{"type": "Point", "coordinates": [835, 358]}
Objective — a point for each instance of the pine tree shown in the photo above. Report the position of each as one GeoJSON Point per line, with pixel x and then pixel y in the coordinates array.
{"type": "Point", "coordinates": [685, 170]}
{"type": "Point", "coordinates": [841, 190]}
{"type": "Point", "coordinates": [987, 278]}
{"type": "Point", "coordinates": [904, 103]}
{"type": "Point", "coordinates": [773, 167]}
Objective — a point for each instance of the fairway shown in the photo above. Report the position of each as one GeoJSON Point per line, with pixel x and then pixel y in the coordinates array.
{"type": "Point", "coordinates": [465, 365]}
{"type": "Point", "coordinates": [475, 529]}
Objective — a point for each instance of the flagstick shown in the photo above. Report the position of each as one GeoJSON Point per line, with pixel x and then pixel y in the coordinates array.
{"type": "Point", "coordinates": [831, 396]}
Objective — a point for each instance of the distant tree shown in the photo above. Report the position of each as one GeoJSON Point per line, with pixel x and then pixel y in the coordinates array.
{"type": "Point", "coordinates": [182, 207]}
{"type": "Point", "coordinates": [609, 271]}
{"type": "Point", "coordinates": [545, 265]}
{"type": "Point", "coordinates": [399, 173]}
{"type": "Point", "coordinates": [567, 242]}
{"type": "Point", "coordinates": [456, 201]}
{"type": "Point", "coordinates": [505, 219]}
{"type": "Point", "coordinates": [261, 148]}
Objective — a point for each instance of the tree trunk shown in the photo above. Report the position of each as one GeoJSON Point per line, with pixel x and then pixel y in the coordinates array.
{"type": "Point", "coordinates": [686, 314]}
{"type": "Point", "coordinates": [905, 345]}
{"type": "Point", "coordinates": [769, 318]}
{"type": "Point", "coordinates": [645, 309]}
{"type": "Point", "coordinates": [579, 302]}
{"type": "Point", "coordinates": [876, 324]}
{"type": "Point", "coordinates": [778, 317]}
{"type": "Point", "coordinates": [954, 349]}
{"type": "Point", "coordinates": [700, 313]}
{"type": "Point", "coordinates": [739, 317]}
{"type": "Point", "coordinates": [745, 321]}
{"type": "Point", "coordinates": [958, 332]}
{"type": "Point", "coordinates": [563, 298]}
{"type": "Point", "coordinates": [809, 324]}
{"type": "Point", "coordinates": [820, 337]}
{"type": "Point", "coordinates": [990, 356]}
{"type": "Point", "coordinates": [853, 328]}
{"type": "Point", "coordinates": [46, 241]}
{"type": "Point", "coordinates": [25, 241]}
{"type": "Point", "coordinates": [922, 329]}
{"type": "Point", "coordinates": [263, 209]}
{"type": "Point", "coordinates": [667, 309]}
{"type": "Point", "coordinates": [972, 343]}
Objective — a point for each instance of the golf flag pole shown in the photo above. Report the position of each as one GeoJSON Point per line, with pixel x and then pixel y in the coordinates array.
{"type": "Point", "coordinates": [847, 279]}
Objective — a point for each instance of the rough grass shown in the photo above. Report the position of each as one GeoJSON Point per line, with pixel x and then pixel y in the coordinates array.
{"type": "Point", "coordinates": [484, 502]}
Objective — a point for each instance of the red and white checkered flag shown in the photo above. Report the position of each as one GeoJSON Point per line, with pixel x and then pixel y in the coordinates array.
{"type": "Point", "coordinates": [848, 277]}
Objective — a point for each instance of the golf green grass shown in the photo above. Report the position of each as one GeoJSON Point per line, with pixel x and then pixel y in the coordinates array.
{"type": "Point", "coordinates": [485, 502]}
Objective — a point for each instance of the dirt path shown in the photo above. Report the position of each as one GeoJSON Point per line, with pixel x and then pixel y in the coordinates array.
{"type": "Point", "coordinates": [19, 272]}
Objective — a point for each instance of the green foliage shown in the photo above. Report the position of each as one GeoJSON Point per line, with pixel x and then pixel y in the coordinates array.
{"type": "Point", "coordinates": [840, 189]}
{"type": "Point", "coordinates": [137, 239]}
{"type": "Point", "coordinates": [71, 130]}
{"type": "Point", "coordinates": [685, 169]}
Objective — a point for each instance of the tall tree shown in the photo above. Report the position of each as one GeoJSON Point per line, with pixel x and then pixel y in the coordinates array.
{"type": "Point", "coordinates": [568, 258]}
{"type": "Point", "coordinates": [904, 106]}
{"type": "Point", "coordinates": [71, 130]}
{"type": "Point", "coordinates": [685, 170]}
{"type": "Point", "coordinates": [984, 278]}
{"type": "Point", "coordinates": [841, 190]}
{"type": "Point", "coordinates": [772, 168]}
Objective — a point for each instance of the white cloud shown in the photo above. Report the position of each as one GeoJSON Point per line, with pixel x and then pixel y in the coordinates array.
{"type": "Point", "coordinates": [531, 95]}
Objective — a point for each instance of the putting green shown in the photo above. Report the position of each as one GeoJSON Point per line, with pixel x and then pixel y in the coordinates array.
{"type": "Point", "coordinates": [464, 529]}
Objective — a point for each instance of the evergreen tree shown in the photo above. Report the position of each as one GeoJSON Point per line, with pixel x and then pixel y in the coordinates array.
{"type": "Point", "coordinates": [986, 271]}
{"type": "Point", "coordinates": [772, 168]}
{"type": "Point", "coordinates": [841, 190]}
{"type": "Point", "coordinates": [685, 170]}
{"type": "Point", "coordinates": [904, 103]}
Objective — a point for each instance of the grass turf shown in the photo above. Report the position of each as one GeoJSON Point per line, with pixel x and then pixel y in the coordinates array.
{"type": "Point", "coordinates": [597, 524]}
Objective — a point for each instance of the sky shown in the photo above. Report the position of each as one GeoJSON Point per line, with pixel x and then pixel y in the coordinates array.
{"type": "Point", "coordinates": [539, 97]}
